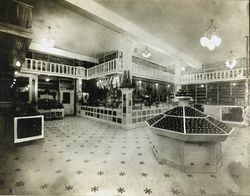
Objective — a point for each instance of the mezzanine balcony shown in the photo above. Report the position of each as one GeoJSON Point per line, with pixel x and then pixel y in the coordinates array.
{"type": "Point", "coordinates": [115, 66]}
{"type": "Point", "coordinates": [218, 76]}
{"type": "Point", "coordinates": [34, 66]}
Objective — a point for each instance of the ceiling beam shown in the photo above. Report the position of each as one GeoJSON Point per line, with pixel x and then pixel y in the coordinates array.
{"type": "Point", "coordinates": [106, 17]}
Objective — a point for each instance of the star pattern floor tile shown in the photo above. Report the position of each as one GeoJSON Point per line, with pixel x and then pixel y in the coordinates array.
{"type": "Point", "coordinates": [84, 157]}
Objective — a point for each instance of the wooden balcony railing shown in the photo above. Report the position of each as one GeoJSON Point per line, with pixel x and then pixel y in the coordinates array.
{"type": "Point", "coordinates": [225, 75]}
{"type": "Point", "coordinates": [56, 69]}
{"type": "Point", "coordinates": [109, 67]}
{"type": "Point", "coordinates": [151, 73]}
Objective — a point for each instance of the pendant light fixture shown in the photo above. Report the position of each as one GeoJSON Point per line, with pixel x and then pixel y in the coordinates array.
{"type": "Point", "coordinates": [231, 61]}
{"type": "Point", "coordinates": [210, 39]}
{"type": "Point", "coordinates": [48, 41]}
{"type": "Point", "coordinates": [146, 53]}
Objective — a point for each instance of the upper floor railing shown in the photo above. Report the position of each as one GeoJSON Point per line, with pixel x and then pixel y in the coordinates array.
{"type": "Point", "coordinates": [151, 73]}
{"type": "Point", "coordinates": [109, 67]}
{"type": "Point", "coordinates": [49, 68]}
{"type": "Point", "coordinates": [225, 75]}
{"type": "Point", "coordinates": [114, 66]}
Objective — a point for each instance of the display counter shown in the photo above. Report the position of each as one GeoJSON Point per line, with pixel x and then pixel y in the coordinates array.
{"type": "Point", "coordinates": [188, 139]}
{"type": "Point", "coordinates": [52, 114]}
{"type": "Point", "coordinates": [139, 116]}
{"type": "Point", "coordinates": [111, 115]}
{"type": "Point", "coordinates": [115, 116]}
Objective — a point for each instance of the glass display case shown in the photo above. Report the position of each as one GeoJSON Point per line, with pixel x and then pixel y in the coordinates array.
{"type": "Point", "coordinates": [232, 114]}
{"type": "Point", "coordinates": [23, 124]}
{"type": "Point", "coordinates": [28, 128]}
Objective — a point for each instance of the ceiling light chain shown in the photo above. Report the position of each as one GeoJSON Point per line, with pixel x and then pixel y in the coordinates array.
{"type": "Point", "coordinates": [210, 39]}
{"type": "Point", "coordinates": [48, 41]}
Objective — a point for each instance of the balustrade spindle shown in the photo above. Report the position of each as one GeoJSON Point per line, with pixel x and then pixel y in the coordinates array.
{"type": "Point", "coordinates": [31, 64]}
{"type": "Point", "coordinates": [28, 63]}
{"type": "Point", "coordinates": [36, 65]}
{"type": "Point", "coordinates": [117, 64]}
{"type": "Point", "coordinates": [244, 72]}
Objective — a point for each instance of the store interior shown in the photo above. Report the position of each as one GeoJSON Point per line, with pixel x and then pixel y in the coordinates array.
{"type": "Point", "coordinates": [105, 97]}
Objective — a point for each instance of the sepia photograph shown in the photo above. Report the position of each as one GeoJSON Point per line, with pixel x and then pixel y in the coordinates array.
{"type": "Point", "coordinates": [124, 97]}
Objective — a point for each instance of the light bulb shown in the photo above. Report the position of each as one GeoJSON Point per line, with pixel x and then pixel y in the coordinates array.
{"type": "Point", "coordinates": [203, 41]}
{"type": "Point", "coordinates": [146, 54]}
{"type": "Point", "coordinates": [234, 62]}
{"type": "Point", "coordinates": [231, 63]}
{"type": "Point", "coordinates": [216, 40]}
{"type": "Point", "coordinates": [18, 63]}
{"type": "Point", "coordinates": [211, 46]}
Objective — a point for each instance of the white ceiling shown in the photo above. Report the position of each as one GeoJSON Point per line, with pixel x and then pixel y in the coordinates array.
{"type": "Point", "coordinates": [179, 23]}
{"type": "Point", "coordinates": [71, 31]}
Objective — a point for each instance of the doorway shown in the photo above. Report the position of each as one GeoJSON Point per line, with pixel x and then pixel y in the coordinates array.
{"type": "Point", "coordinates": [67, 99]}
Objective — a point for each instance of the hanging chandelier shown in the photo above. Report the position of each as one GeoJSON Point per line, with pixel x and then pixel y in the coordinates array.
{"type": "Point", "coordinates": [210, 39]}
{"type": "Point", "coordinates": [231, 61]}
{"type": "Point", "coordinates": [146, 53]}
{"type": "Point", "coordinates": [48, 41]}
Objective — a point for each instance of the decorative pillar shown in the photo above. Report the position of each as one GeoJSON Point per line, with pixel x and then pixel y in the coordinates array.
{"type": "Point", "coordinates": [177, 79]}
{"type": "Point", "coordinates": [127, 50]}
{"type": "Point", "coordinates": [33, 88]}
{"type": "Point", "coordinates": [126, 86]}
{"type": "Point", "coordinates": [78, 94]}
{"type": "Point", "coordinates": [78, 85]}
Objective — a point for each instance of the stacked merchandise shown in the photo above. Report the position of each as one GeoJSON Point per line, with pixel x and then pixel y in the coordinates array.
{"type": "Point", "coordinates": [188, 120]}
{"type": "Point", "coordinates": [25, 109]}
{"type": "Point", "coordinates": [51, 109]}
{"type": "Point", "coordinates": [183, 93]}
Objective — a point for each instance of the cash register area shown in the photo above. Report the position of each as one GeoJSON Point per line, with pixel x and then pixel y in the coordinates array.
{"type": "Point", "coordinates": [84, 157]}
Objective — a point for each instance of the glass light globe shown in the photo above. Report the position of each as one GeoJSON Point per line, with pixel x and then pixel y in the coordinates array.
{"type": "Point", "coordinates": [216, 40]}
{"type": "Point", "coordinates": [210, 45]}
{"type": "Point", "coordinates": [146, 54]}
{"type": "Point", "coordinates": [231, 63]}
{"type": "Point", "coordinates": [203, 41]}
{"type": "Point", "coordinates": [234, 62]}
{"type": "Point", "coordinates": [18, 64]}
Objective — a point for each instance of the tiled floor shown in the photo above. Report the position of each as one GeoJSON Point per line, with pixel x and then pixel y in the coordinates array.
{"type": "Point", "coordinates": [83, 157]}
